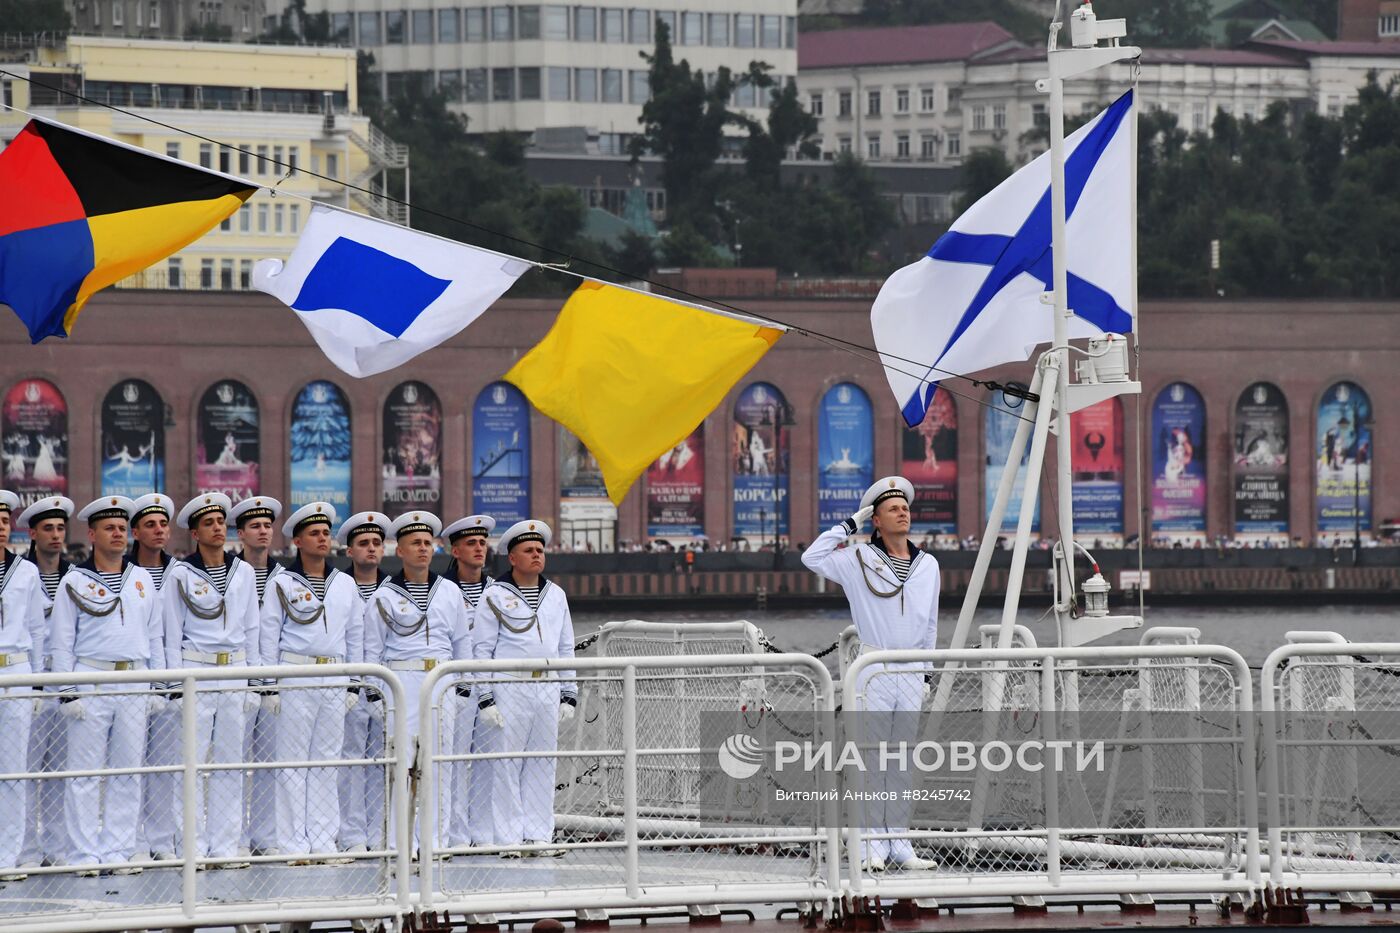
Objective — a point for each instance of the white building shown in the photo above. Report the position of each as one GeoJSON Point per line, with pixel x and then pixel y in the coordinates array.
{"type": "Point", "coordinates": [933, 93]}
{"type": "Point", "coordinates": [574, 72]}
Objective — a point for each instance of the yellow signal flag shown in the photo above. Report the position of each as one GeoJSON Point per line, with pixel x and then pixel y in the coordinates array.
{"type": "Point", "coordinates": [632, 375]}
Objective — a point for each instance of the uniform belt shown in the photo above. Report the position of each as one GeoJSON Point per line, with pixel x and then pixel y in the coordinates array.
{"type": "Point", "coordinates": [417, 664]}
{"type": "Point", "coordinates": [525, 675]}
{"type": "Point", "coordinates": [10, 660]}
{"type": "Point", "coordinates": [291, 657]}
{"type": "Point", "coordinates": [219, 658]}
{"type": "Point", "coordinates": [113, 665]}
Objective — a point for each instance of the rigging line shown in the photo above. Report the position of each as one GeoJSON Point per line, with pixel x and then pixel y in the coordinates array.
{"type": "Point", "coordinates": [806, 332]}
{"type": "Point", "coordinates": [1142, 508]}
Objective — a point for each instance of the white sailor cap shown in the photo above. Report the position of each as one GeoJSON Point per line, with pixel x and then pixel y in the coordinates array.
{"type": "Point", "coordinates": [310, 514]}
{"type": "Point", "coordinates": [532, 529]}
{"type": "Point", "coordinates": [256, 507]}
{"type": "Point", "coordinates": [409, 522]}
{"type": "Point", "coordinates": [200, 506]}
{"type": "Point", "coordinates": [151, 504]}
{"type": "Point", "coordinates": [481, 525]}
{"type": "Point", "coordinates": [46, 508]}
{"type": "Point", "coordinates": [107, 507]}
{"type": "Point", "coordinates": [363, 523]}
{"type": "Point", "coordinates": [8, 501]}
{"type": "Point", "coordinates": [885, 488]}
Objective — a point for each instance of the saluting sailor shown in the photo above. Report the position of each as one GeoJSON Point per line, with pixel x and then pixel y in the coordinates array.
{"type": "Point", "coordinates": [469, 539]}
{"type": "Point", "coordinates": [150, 519]}
{"type": "Point", "coordinates": [253, 518]}
{"type": "Point", "coordinates": [210, 602]}
{"type": "Point", "coordinates": [892, 588]}
{"type": "Point", "coordinates": [416, 621]}
{"type": "Point", "coordinates": [22, 632]}
{"type": "Point", "coordinates": [309, 617]}
{"type": "Point", "coordinates": [106, 618]}
{"type": "Point", "coordinates": [46, 840]}
{"type": "Point", "coordinates": [523, 615]}
{"type": "Point", "coordinates": [362, 786]}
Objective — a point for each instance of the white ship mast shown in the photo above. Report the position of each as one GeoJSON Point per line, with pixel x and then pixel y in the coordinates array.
{"type": "Point", "coordinates": [1101, 374]}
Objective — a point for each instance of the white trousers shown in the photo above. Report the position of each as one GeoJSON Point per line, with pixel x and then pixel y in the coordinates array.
{"type": "Point", "coordinates": [260, 747]}
{"type": "Point", "coordinates": [219, 730]}
{"type": "Point", "coordinates": [362, 787]}
{"type": "Point", "coordinates": [471, 780]}
{"type": "Point", "coordinates": [311, 727]}
{"type": "Point", "coordinates": [442, 723]}
{"type": "Point", "coordinates": [102, 813]}
{"type": "Point", "coordinates": [16, 715]}
{"type": "Point", "coordinates": [46, 834]}
{"type": "Point", "coordinates": [522, 789]}
{"type": "Point", "coordinates": [160, 793]}
{"type": "Point", "coordinates": [893, 700]}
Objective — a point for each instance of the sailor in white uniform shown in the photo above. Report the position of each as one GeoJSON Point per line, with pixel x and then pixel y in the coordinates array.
{"type": "Point", "coordinates": [150, 518]}
{"type": "Point", "coordinates": [523, 615]}
{"type": "Point", "coordinates": [362, 786]}
{"type": "Point", "coordinates": [22, 633]}
{"type": "Point", "coordinates": [892, 588]}
{"type": "Point", "coordinates": [308, 617]}
{"type": "Point", "coordinates": [46, 840]}
{"type": "Point", "coordinates": [416, 621]}
{"type": "Point", "coordinates": [254, 519]}
{"type": "Point", "coordinates": [106, 617]}
{"type": "Point", "coordinates": [210, 602]}
{"type": "Point", "coordinates": [469, 539]}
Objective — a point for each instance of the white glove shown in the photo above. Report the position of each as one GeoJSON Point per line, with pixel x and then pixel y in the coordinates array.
{"type": "Point", "coordinates": [566, 712]}
{"type": "Point", "coordinates": [862, 516]}
{"type": "Point", "coordinates": [352, 698]}
{"type": "Point", "coordinates": [491, 715]}
{"type": "Point", "coordinates": [272, 704]}
{"type": "Point", "coordinates": [928, 687]}
{"type": "Point", "coordinates": [250, 702]}
{"type": "Point", "coordinates": [155, 702]}
{"type": "Point", "coordinates": [73, 709]}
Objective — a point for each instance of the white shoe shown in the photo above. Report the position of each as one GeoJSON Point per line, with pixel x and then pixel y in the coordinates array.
{"type": "Point", "coordinates": [87, 873]}
{"type": "Point", "coordinates": [14, 876]}
{"type": "Point", "coordinates": [357, 849]}
{"type": "Point", "coordinates": [914, 863]}
{"type": "Point", "coordinates": [873, 864]}
{"type": "Point", "coordinates": [337, 860]}
{"type": "Point", "coordinates": [512, 853]}
{"type": "Point", "coordinates": [128, 870]}
{"type": "Point", "coordinates": [162, 856]}
{"type": "Point", "coordinates": [542, 853]}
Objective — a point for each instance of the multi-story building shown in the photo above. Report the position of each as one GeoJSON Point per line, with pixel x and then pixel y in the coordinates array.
{"type": "Point", "coordinates": [934, 93]}
{"type": "Point", "coordinates": [573, 76]}
{"type": "Point", "coordinates": [236, 20]}
{"type": "Point", "coordinates": [1368, 20]}
{"type": "Point", "coordinates": [285, 117]}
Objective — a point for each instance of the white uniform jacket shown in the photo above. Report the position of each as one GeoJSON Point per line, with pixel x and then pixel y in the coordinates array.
{"type": "Point", "coordinates": [202, 626]}
{"type": "Point", "coordinates": [294, 621]}
{"type": "Point", "coordinates": [22, 605]}
{"type": "Point", "coordinates": [906, 619]}
{"type": "Point", "coordinates": [90, 621]}
{"type": "Point", "coordinates": [504, 627]}
{"type": "Point", "coordinates": [397, 630]}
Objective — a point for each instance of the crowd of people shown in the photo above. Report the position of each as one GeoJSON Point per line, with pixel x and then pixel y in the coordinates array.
{"type": "Point", "coordinates": [129, 606]}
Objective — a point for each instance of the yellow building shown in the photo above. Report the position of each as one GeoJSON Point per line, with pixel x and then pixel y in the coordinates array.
{"type": "Point", "coordinates": [278, 115]}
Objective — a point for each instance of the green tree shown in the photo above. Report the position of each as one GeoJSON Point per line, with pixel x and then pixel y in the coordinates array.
{"type": "Point", "coordinates": [28, 16]}
{"type": "Point", "coordinates": [983, 170]}
{"type": "Point", "coordinates": [1161, 23]}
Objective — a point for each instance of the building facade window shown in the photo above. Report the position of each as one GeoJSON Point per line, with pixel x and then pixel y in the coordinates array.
{"type": "Point", "coordinates": [393, 27]}
{"type": "Point", "coordinates": [843, 104]}
{"type": "Point", "coordinates": [245, 274]}
{"type": "Point", "coordinates": [928, 146]}
{"type": "Point", "coordinates": [422, 27]}
{"type": "Point", "coordinates": [719, 29]}
{"type": "Point", "coordinates": [226, 274]}
{"type": "Point", "coordinates": [118, 13]}
{"type": "Point", "coordinates": [692, 29]}
{"type": "Point", "coordinates": [262, 218]}
{"type": "Point", "coordinates": [245, 219]}
{"type": "Point", "coordinates": [449, 84]}
{"type": "Point", "coordinates": [872, 103]}
{"type": "Point", "coordinates": [225, 161]}
{"type": "Point", "coordinates": [473, 24]}
{"type": "Point", "coordinates": [613, 26]}
{"type": "Point", "coordinates": [556, 22]}
{"type": "Point", "coordinates": [843, 144]}
{"type": "Point", "coordinates": [1198, 117]}
{"type": "Point", "coordinates": [979, 117]}
{"type": "Point", "coordinates": [529, 84]}
{"type": "Point", "coordinates": [1040, 119]}
{"type": "Point", "coordinates": [449, 25]}
{"type": "Point", "coordinates": [954, 145]}
{"type": "Point", "coordinates": [772, 31]}
{"type": "Point", "coordinates": [901, 146]}
{"type": "Point", "coordinates": [279, 217]}
{"type": "Point", "coordinates": [639, 26]}
{"type": "Point", "coordinates": [558, 83]}
{"type": "Point", "coordinates": [927, 100]}
{"type": "Point", "coordinates": [814, 104]}
{"type": "Point", "coordinates": [585, 24]}
{"type": "Point", "coordinates": [172, 150]}
{"type": "Point", "coordinates": [474, 87]}
{"type": "Point", "coordinates": [527, 22]}
{"type": "Point", "coordinates": [502, 84]}
{"type": "Point", "coordinates": [954, 100]}
{"type": "Point", "coordinates": [206, 155]}
{"type": "Point", "coordinates": [901, 100]}
{"type": "Point", "coordinates": [998, 116]}
{"type": "Point", "coordinates": [586, 85]}
{"type": "Point", "coordinates": [639, 90]}
{"type": "Point", "coordinates": [502, 24]}
{"type": "Point", "coordinates": [173, 270]}
{"type": "Point", "coordinates": [667, 18]}
{"type": "Point", "coordinates": [206, 273]}
{"type": "Point", "coordinates": [332, 165]}
{"type": "Point", "coordinates": [872, 147]}
{"type": "Point", "coordinates": [744, 27]}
